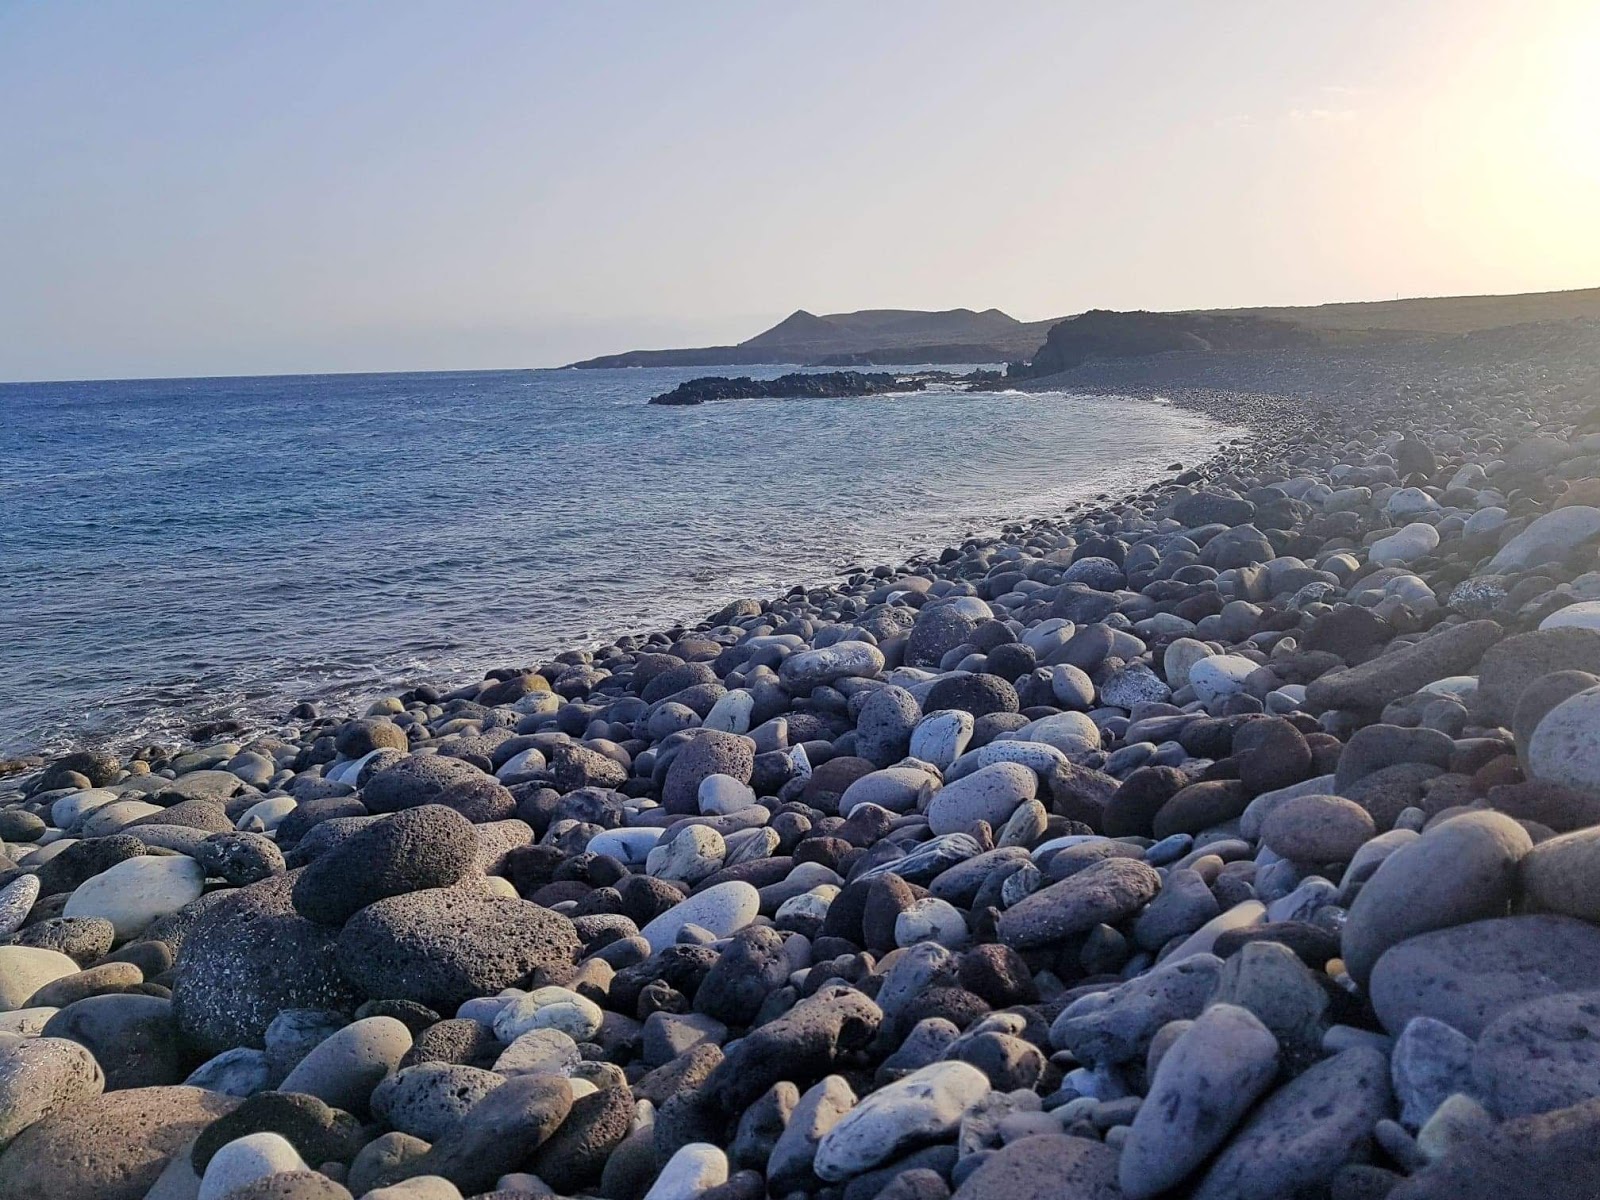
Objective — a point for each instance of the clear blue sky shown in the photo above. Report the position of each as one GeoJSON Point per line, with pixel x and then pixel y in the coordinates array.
{"type": "Point", "coordinates": [241, 187]}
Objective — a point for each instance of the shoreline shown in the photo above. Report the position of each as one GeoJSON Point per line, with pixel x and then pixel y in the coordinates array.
{"type": "Point", "coordinates": [348, 699]}
{"type": "Point", "coordinates": [1269, 789]}
{"type": "Point", "coordinates": [1272, 421]}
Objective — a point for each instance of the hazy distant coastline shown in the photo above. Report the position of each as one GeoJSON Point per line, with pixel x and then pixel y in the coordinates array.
{"type": "Point", "coordinates": [903, 337]}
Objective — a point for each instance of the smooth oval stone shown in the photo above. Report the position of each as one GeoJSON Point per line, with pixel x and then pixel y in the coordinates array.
{"type": "Point", "coordinates": [721, 909]}
{"type": "Point", "coordinates": [1429, 1063]}
{"type": "Point", "coordinates": [1208, 1079]}
{"type": "Point", "coordinates": [26, 969]}
{"type": "Point", "coordinates": [137, 891]}
{"type": "Point", "coordinates": [989, 794]}
{"type": "Point", "coordinates": [629, 846]}
{"type": "Point", "coordinates": [692, 1170]}
{"type": "Point", "coordinates": [1103, 894]}
{"type": "Point", "coordinates": [244, 1160]}
{"type": "Point", "coordinates": [1220, 675]}
{"type": "Point", "coordinates": [1562, 874]}
{"type": "Point", "coordinates": [1460, 871]}
{"type": "Point", "coordinates": [41, 1076]}
{"type": "Point", "coordinates": [1468, 975]}
{"type": "Point", "coordinates": [897, 789]}
{"type": "Point", "coordinates": [1072, 733]}
{"type": "Point", "coordinates": [802, 672]}
{"type": "Point", "coordinates": [1317, 829]}
{"type": "Point", "coordinates": [1303, 1132]}
{"type": "Point", "coordinates": [924, 1106]}
{"type": "Point", "coordinates": [343, 1070]}
{"type": "Point", "coordinates": [549, 1008]}
{"type": "Point", "coordinates": [1540, 1056]}
{"type": "Point", "coordinates": [941, 737]}
{"type": "Point", "coordinates": [1565, 747]}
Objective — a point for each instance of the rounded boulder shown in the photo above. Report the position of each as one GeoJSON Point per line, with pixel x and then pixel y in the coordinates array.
{"type": "Point", "coordinates": [431, 846]}
{"type": "Point", "coordinates": [443, 946]}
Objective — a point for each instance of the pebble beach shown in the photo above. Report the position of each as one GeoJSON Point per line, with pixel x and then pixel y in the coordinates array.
{"type": "Point", "coordinates": [1234, 838]}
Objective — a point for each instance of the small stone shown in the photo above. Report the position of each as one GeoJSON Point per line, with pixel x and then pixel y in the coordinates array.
{"type": "Point", "coordinates": [240, 1072]}
{"type": "Point", "coordinates": [925, 1105]}
{"type": "Point", "coordinates": [343, 1070]}
{"type": "Point", "coordinates": [931, 920]}
{"type": "Point", "coordinates": [1045, 1166]}
{"type": "Point", "coordinates": [885, 725]}
{"type": "Point", "coordinates": [427, 1099]}
{"type": "Point", "coordinates": [16, 901]}
{"type": "Point", "coordinates": [239, 858]}
{"type": "Point", "coordinates": [1206, 1082]}
{"type": "Point", "coordinates": [1184, 904]}
{"type": "Point", "coordinates": [1540, 1056]}
{"type": "Point", "coordinates": [1104, 893]}
{"type": "Point", "coordinates": [1430, 1061]}
{"type": "Point", "coordinates": [1460, 871]}
{"type": "Point", "coordinates": [990, 794]}
{"type": "Point", "coordinates": [539, 1051]}
{"type": "Point", "coordinates": [1468, 975]}
{"type": "Point", "coordinates": [243, 1161]}
{"type": "Point", "coordinates": [498, 1134]}
{"type": "Point", "coordinates": [1317, 829]}
{"type": "Point", "coordinates": [1565, 746]}
{"type": "Point", "coordinates": [723, 909]}
{"type": "Point", "coordinates": [790, 1165]}
{"type": "Point", "coordinates": [720, 795]}
{"type": "Point", "coordinates": [1218, 676]}
{"type": "Point", "coordinates": [1269, 981]}
{"type": "Point", "coordinates": [138, 891]}
{"type": "Point", "coordinates": [26, 969]}
{"type": "Point", "coordinates": [941, 737]}
{"type": "Point", "coordinates": [549, 1008]}
{"type": "Point", "coordinates": [691, 856]}
{"type": "Point", "coordinates": [40, 1077]}
{"type": "Point", "coordinates": [1562, 874]}
{"type": "Point", "coordinates": [1303, 1132]}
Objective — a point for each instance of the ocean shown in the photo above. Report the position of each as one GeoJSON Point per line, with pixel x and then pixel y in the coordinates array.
{"type": "Point", "coordinates": [176, 551]}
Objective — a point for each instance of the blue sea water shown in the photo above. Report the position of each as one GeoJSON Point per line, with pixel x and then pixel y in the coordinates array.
{"type": "Point", "coordinates": [180, 550]}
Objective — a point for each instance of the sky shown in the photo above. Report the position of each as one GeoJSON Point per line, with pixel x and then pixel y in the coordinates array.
{"type": "Point", "coordinates": [250, 188]}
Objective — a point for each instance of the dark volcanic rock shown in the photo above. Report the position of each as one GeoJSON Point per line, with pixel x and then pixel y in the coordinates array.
{"type": "Point", "coordinates": [110, 1147]}
{"type": "Point", "coordinates": [443, 946]}
{"type": "Point", "coordinates": [435, 779]}
{"type": "Point", "coordinates": [1453, 650]}
{"type": "Point", "coordinates": [818, 385]}
{"type": "Point", "coordinates": [250, 957]}
{"type": "Point", "coordinates": [427, 847]}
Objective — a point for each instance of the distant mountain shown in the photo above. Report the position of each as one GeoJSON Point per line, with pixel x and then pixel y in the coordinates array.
{"type": "Point", "coordinates": [886, 336]}
{"type": "Point", "coordinates": [1100, 334]}
{"type": "Point", "coordinates": [902, 337]}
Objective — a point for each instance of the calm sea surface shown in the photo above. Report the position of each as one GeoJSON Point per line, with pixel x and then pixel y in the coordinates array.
{"type": "Point", "coordinates": [178, 550]}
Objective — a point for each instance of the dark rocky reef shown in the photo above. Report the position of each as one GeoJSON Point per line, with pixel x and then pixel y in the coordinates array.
{"type": "Point", "coordinates": [819, 386]}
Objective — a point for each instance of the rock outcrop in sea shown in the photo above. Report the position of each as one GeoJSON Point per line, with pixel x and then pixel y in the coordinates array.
{"type": "Point", "coordinates": [1237, 838]}
{"type": "Point", "coordinates": [813, 384]}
